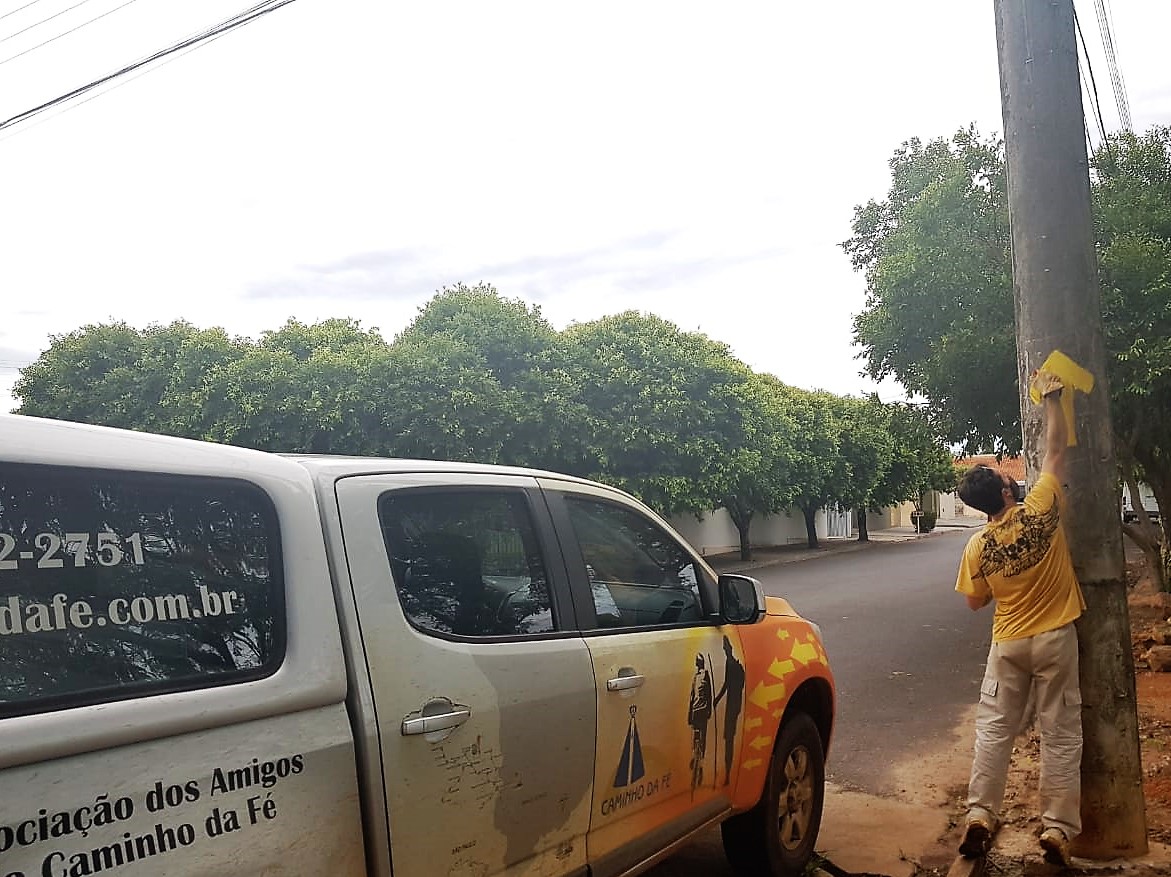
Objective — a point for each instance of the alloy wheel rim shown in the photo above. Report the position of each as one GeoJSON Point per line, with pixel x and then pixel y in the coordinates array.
{"type": "Point", "coordinates": [795, 799]}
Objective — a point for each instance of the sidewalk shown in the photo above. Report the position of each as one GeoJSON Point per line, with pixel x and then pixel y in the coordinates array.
{"type": "Point", "coordinates": [798, 551]}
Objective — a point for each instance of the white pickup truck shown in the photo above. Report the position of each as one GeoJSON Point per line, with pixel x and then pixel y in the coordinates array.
{"type": "Point", "coordinates": [218, 661]}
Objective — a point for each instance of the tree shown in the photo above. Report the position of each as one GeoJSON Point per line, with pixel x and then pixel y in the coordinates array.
{"type": "Point", "coordinates": [1133, 226]}
{"type": "Point", "coordinates": [116, 375]}
{"type": "Point", "coordinates": [919, 461]}
{"type": "Point", "coordinates": [526, 357]}
{"type": "Point", "coordinates": [662, 409]}
{"type": "Point", "coordinates": [864, 442]}
{"type": "Point", "coordinates": [760, 477]}
{"type": "Point", "coordinates": [939, 310]}
{"type": "Point", "coordinates": [818, 469]}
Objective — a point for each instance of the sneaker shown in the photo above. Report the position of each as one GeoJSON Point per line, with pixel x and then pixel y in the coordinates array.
{"type": "Point", "coordinates": [977, 839]}
{"type": "Point", "coordinates": [1056, 847]}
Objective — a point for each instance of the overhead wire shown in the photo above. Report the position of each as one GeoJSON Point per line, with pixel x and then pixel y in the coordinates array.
{"type": "Point", "coordinates": [195, 41]}
{"type": "Point", "coordinates": [1092, 91]}
{"type": "Point", "coordinates": [1112, 63]}
{"type": "Point", "coordinates": [66, 33]}
{"type": "Point", "coordinates": [15, 34]}
{"type": "Point", "coordinates": [117, 84]}
{"type": "Point", "coordinates": [18, 9]}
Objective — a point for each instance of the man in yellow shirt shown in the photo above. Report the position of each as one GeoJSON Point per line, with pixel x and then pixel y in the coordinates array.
{"type": "Point", "coordinates": [1021, 561]}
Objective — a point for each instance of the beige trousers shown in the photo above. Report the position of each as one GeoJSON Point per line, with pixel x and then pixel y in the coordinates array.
{"type": "Point", "coordinates": [1048, 662]}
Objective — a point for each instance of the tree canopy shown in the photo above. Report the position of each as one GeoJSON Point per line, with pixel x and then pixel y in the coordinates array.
{"type": "Point", "coordinates": [939, 307]}
{"type": "Point", "coordinates": [630, 399]}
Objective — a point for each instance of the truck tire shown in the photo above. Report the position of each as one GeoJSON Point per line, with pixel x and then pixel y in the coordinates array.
{"type": "Point", "coordinates": [776, 837]}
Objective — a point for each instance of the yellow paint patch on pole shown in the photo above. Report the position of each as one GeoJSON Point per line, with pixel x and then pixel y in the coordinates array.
{"type": "Point", "coordinates": [1073, 379]}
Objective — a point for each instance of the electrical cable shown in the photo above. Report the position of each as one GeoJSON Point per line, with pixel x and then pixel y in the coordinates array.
{"type": "Point", "coordinates": [239, 20]}
{"type": "Point", "coordinates": [12, 36]}
{"type": "Point", "coordinates": [1112, 63]}
{"type": "Point", "coordinates": [118, 84]}
{"type": "Point", "coordinates": [1095, 102]}
{"type": "Point", "coordinates": [66, 33]}
{"type": "Point", "coordinates": [18, 9]}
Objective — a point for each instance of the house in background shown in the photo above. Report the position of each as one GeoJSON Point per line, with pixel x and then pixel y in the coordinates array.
{"type": "Point", "coordinates": [1013, 467]}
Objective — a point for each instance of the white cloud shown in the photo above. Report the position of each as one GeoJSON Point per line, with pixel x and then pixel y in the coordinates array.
{"type": "Point", "coordinates": [349, 158]}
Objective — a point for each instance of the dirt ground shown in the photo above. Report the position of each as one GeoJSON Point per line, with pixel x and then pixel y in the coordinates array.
{"type": "Point", "coordinates": [1016, 853]}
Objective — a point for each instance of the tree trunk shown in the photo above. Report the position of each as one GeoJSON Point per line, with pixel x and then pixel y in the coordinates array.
{"type": "Point", "coordinates": [1058, 306]}
{"type": "Point", "coordinates": [745, 545]}
{"type": "Point", "coordinates": [1145, 533]}
{"type": "Point", "coordinates": [810, 527]}
{"type": "Point", "coordinates": [742, 518]}
{"type": "Point", "coordinates": [863, 532]}
{"type": "Point", "coordinates": [1160, 485]}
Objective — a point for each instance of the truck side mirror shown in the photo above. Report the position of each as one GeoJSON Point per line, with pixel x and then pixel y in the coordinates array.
{"type": "Point", "coordinates": [741, 599]}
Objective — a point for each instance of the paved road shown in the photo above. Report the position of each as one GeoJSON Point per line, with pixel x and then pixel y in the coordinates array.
{"type": "Point", "coordinates": [906, 652]}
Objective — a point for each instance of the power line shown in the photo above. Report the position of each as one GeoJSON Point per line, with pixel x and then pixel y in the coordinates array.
{"type": "Point", "coordinates": [236, 21]}
{"type": "Point", "coordinates": [97, 94]}
{"type": "Point", "coordinates": [18, 8]}
{"type": "Point", "coordinates": [1095, 102]}
{"type": "Point", "coordinates": [13, 36]}
{"type": "Point", "coordinates": [66, 33]}
{"type": "Point", "coordinates": [1112, 63]}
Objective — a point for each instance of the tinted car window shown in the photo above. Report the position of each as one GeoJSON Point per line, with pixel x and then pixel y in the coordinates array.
{"type": "Point", "coordinates": [116, 584]}
{"type": "Point", "coordinates": [466, 563]}
{"type": "Point", "coordinates": [639, 575]}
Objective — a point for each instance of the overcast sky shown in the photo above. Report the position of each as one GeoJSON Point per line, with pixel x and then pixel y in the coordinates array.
{"type": "Point", "coordinates": [347, 158]}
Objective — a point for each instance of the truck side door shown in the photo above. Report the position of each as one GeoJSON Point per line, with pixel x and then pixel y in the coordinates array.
{"type": "Point", "coordinates": [483, 689]}
{"type": "Point", "coordinates": [669, 676]}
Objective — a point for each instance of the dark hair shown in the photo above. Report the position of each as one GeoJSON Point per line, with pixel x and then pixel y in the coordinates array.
{"type": "Point", "coordinates": [981, 488]}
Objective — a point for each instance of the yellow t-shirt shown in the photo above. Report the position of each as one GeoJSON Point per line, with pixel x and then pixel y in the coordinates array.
{"type": "Point", "coordinates": [1023, 561]}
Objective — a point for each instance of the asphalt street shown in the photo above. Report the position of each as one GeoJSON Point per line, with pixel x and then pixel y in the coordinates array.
{"type": "Point", "coordinates": [906, 652]}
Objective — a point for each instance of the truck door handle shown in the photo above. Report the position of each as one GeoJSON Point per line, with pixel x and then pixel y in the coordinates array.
{"type": "Point", "coordinates": [438, 722]}
{"type": "Point", "coordinates": [625, 680]}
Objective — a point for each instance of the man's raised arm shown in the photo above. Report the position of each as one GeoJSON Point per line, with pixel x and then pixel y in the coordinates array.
{"type": "Point", "coordinates": [1056, 434]}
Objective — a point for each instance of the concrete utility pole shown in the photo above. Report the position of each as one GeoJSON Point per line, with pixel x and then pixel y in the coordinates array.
{"type": "Point", "coordinates": [1055, 284]}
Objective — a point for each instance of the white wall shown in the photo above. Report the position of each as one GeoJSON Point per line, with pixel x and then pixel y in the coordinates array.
{"type": "Point", "coordinates": [716, 534]}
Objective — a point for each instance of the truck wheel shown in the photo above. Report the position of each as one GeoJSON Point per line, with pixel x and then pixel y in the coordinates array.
{"type": "Point", "coordinates": [776, 837]}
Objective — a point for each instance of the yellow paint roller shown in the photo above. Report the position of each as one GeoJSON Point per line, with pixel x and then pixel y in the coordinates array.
{"type": "Point", "coordinates": [1073, 379]}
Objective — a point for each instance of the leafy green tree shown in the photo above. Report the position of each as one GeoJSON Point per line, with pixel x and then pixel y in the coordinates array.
{"type": "Point", "coordinates": [116, 375]}
{"type": "Point", "coordinates": [525, 356]}
{"type": "Point", "coordinates": [1132, 200]}
{"type": "Point", "coordinates": [919, 461]}
{"type": "Point", "coordinates": [864, 443]}
{"type": "Point", "coordinates": [760, 475]}
{"type": "Point", "coordinates": [819, 470]}
{"type": "Point", "coordinates": [939, 311]}
{"type": "Point", "coordinates": [661, 409]}
{"type": "Point", "coordinates": [433, 398]}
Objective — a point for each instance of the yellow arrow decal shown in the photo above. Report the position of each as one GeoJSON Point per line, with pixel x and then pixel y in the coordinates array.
{"type": "Point", "coordinates": [763, 694]}
{"type": "Point", "coordinates": [804, 653]}
{"type": "Point", "coordinates": [752, 763]}
{"type": "Point", "coordinates": [759, 743]}
{"type": "Point", "coordinates": [752, 723]}
{"type": "Point", "coordinates": [783, 634]}
{"type": "Point", "coordinates": [781, 669]}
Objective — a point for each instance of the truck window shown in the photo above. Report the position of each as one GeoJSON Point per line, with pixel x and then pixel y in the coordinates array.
{"type": "Point", "coordinates": [466, 562]}
{"type": "Point", "coordinates": [638, 574]}
{"type": "Point", "coordinates": [118, 584]}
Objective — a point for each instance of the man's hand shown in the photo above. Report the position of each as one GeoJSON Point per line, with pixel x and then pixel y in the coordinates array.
{"type": "Point", "coordinates": [1045, 383]}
